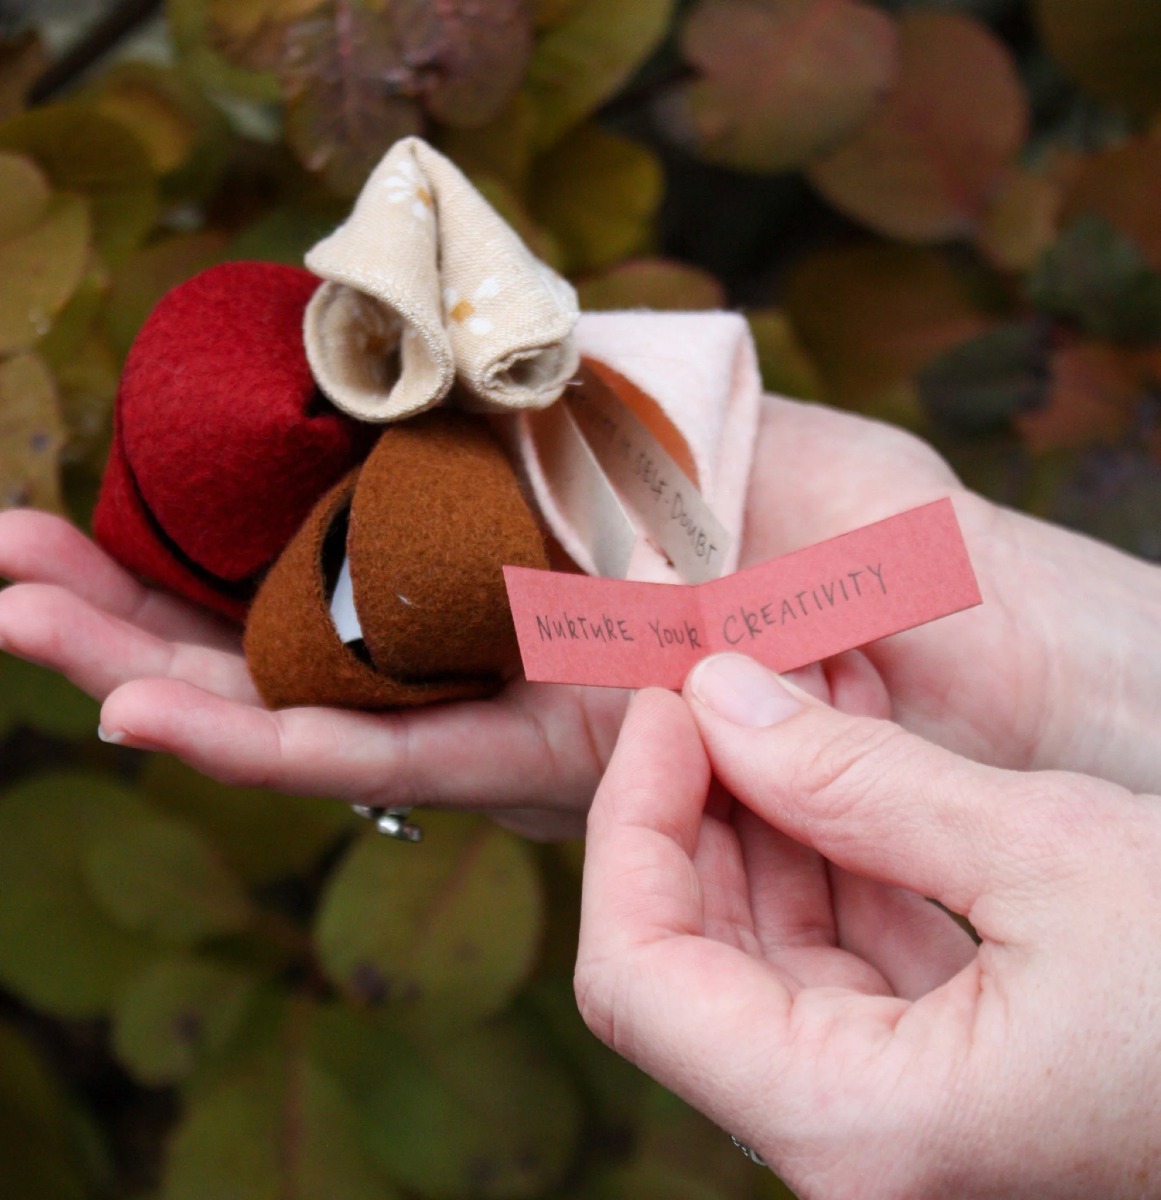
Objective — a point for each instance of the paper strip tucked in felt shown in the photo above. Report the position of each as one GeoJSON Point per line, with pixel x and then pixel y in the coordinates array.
{"type": "Point", "coordinates": [698, 390]}
{"type": "Point", "coordinates": [426, 282]}
{"type": "Point", "coordinates": [787, 612]}
{"type": "Point", "coordinates": [583, 490]}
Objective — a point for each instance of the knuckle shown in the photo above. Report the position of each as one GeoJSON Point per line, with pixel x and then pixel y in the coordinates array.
{"type": "Point", "coordinates": [838, 773]}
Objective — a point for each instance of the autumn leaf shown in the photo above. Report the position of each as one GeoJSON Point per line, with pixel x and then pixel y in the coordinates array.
{"type": "Point", "coordinates": [925, 165]}
{"type": "Point", "coordinates": [32, 434]}
{"type": "Point", "coordinates": [343, 112]}
{"type": "Point", "coordinates": [659, 283]}
{"type": "Point", "coordinates": [781, 79]}
{"type": "Point", "coordinates": [1122, 185]}
{"type": "Point", "coordinates": [871, 316]}
{"type": "Point", "coordinates": [1111, 48]}
{"type": "Point", "coordinates": [468, 57]}
{"type": "Point", "coordinates": [21, 60]}
{"type": "Point", "coordinates": [1090, 398]}
{"type": "Point", "coordinates": [251, 33]}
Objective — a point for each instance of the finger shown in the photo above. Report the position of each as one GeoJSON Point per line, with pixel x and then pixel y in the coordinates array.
{"type": "Point", "coordinates": [718, 859]}
{"type": "Point", "coordinates": [540, 825]}
{"type": "Point", "coordinates": [498, 753]}
{"type": "Point", "coordinates": [645, 824]}
{"type": "Point", "coordinates": [706, 1019]}
{"type": "Point", "coordinates": [865, 794]}
{"type": "Point", "coordinates": [38, 547]}
{"type": "Point", "coordinates": [99, 652]}
{"type": "Point", "coordinates": [854, 686]}
{"type": "Point", "coordinates": [911, 942]}
{"type": "Point", "coordinates": [788, 888]}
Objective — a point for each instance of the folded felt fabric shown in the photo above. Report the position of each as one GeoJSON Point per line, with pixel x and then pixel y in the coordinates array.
{"type": "Point", "coordinates": [693, 380]}
{"type": "Point", "coordinates": [427, 282]}
{"type": "Point", "coordinates": [427, 523]}
{"type": "Point", "coordinates": [222, 443]}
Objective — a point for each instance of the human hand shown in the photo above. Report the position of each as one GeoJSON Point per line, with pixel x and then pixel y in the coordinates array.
{"type": "Point", "coordinates": [1063, 617]}
{"type": "Point", "coordinates": [989, 683]}
{"type": "Point", "coordinates": [173, 678]}
{"type": "Point", "coordinates": [773, 961]}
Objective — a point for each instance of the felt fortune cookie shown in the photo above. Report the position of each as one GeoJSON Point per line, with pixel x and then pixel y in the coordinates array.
{"type": "Point", "coordinates": [423, 529]}
{"type": "Point", "coordinates": [222, 440]}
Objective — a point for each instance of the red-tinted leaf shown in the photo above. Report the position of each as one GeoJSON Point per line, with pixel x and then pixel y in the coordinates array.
{"type": "Point", "coordinates": [344, 109]}
{"type": "Point", "coordinates": [467, 56]}
{"type": "Point", "coordinates": [924, 167]}
{"type": "Point", "coordinates": [1123, 185]}
{"type": "Point", "coordinates": [1091, 400]}
{"type": "Point", "coordinates": [1112, 48]}
{"type": "Point", "coordinates": [783, 79]}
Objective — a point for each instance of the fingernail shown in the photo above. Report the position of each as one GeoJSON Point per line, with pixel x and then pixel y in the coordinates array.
{"type": "Point", "coordinates": [743, 691]}
{"type": "Point", "coordinates": [115, 737]}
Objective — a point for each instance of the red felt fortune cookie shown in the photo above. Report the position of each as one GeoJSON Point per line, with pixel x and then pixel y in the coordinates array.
{"type": "Point", "coordinates": [222, 441]}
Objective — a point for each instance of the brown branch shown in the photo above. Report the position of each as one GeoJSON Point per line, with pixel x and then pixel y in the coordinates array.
{"type": "Point", "coordinates": [120, 21]}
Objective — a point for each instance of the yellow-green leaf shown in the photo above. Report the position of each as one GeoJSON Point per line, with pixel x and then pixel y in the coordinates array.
{"type": "Point", "coordinates": [32, 435]}
{"type": "Point", "coordinates": [46, 1152]}
{"type": "Point", "coordinates": [24, 195]}
{"type": "Point", "coordinates": [41, 269]}
{"type": "Point", "coordinates": [787, 369]}
{"type": "Point", "coordinates": [1022, 222]}
{"type": "Point", "coordinates": [659, 283]}
{"type": "Point", "coordinates": [780, 80]}
{"type": "Point", "coordinates": [597, 193]}
{"type": "Point", "coordinates": [245, 19]}
{"type": "Point", "coordinates": [178, 1010]}
{"type": "Point", "coordinates": [189, 30]}
{"type": "Point", "coordinates": [238, 821]}
{"type": "Point", "coordinates": [58, 948]}
{"type": "Point", "coordinates": [925, 165]}
{"type": "Point", "coordinates": [501, 149]}
{"type": "Point", "coordinates": [275, 1126]}
{"type": "Point", "coordinates": [446, 936]}
{"type": "Point", "coordinates": [586, 57]}
{"type": "Point", "coordinates": [1111, 48]}
{"type": "Point", "coordinates": [481, 1113]}
{"type": "Point", "coordinates": [187, 138]}
{"type": "Point", "coordinates": [82, 151]}
{"type": "Point", "coordinates": [148, 274]}
{"type": "Point", "coordinates": [163, 878]}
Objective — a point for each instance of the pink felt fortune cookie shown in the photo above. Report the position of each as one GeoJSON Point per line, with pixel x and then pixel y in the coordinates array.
{"type": "Point", "coordinates": [222, 441]}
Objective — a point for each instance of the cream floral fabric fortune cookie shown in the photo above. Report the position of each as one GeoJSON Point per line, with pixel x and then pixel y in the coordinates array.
{"type": "Point", "coordinates": [426, 283]}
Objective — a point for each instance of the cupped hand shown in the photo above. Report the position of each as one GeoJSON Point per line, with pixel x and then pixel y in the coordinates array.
{"type": "Point", "coordinates": [1063, 616]}
{"type": "Point", "coordinates": [173, 678]}
{"type": "Point", "coordinates": [761, 945]}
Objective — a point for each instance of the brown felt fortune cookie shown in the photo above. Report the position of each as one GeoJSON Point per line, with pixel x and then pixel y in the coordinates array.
{"type": "Point", "coordinates": [424, 528]}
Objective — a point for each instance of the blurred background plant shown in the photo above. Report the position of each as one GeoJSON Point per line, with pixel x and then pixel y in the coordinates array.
{"type": "Point", "coordinates": [946, 214]}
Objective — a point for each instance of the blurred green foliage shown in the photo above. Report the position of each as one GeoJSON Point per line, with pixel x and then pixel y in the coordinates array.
{"type": "Point", "coordinates": [946, 214]}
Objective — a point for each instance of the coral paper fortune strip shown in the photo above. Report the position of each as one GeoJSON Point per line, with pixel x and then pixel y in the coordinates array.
{"type": "Point", "coordinates": [790, 611]}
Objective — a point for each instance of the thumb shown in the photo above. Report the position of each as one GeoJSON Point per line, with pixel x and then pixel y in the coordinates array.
{"type": "Point", "coordinates": [867, 795]}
